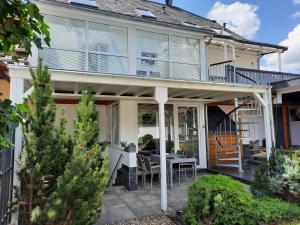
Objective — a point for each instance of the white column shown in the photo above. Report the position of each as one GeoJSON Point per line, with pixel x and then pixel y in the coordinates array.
{"type": "Point", "coordinates": [204, 60]}
{"type": "Point", "coordinates": [271, 116]}
{"type": "Point", "coordinates": [202, 136]}
{"type": "Point", "coordinates": [176, 128]}
{"type": "Point", "coordinates": [33, 58]}
{"type": "Point", "coordinates": [267, 123]}
{"type": "Point", "coordinates": [279, 62]}
{"type": "Point", "coordinates": [16, 96]}
{"type": "Point", "coordinates": [128, 122]}
{"type": "Point", "coordinates": [161, 97]}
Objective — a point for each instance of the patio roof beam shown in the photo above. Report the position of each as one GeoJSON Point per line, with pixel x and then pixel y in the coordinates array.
{"type": "Point", "coordinates": [142, 92]}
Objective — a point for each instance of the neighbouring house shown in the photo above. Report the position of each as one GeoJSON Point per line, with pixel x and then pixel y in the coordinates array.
{"type": "Point", "coordinates": [160, 73]}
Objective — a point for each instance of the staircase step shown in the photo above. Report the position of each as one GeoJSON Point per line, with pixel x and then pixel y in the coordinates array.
{"type": "Point", "coordinates": [227, 165]}
{"type": "Point", "coordinates": [228, 159]}
{"type": "Point", "coordinates": [248, 109]}
{"type": "Point", "coordinates": [233, 152]}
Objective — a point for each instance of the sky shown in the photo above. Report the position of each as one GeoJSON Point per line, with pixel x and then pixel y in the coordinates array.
{"type": "Point", "coordinates": [271, 21]}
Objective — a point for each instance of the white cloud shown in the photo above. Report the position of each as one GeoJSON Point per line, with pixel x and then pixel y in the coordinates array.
{"type": "Point", "coordinates": [240, 17]}
{"type": "Point", "coordinates": [291, 58]}
{"type": "Point", "coordinates": [296, 15]}
{"type": "Point", "coordinates": [296, 1]}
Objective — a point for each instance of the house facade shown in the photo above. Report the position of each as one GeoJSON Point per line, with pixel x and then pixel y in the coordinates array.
{"type": "Point", "coordinates": [158, 72]}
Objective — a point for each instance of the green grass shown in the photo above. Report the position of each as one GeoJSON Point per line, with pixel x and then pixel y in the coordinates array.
{"type": "Point", "coordinates": [295, 222]}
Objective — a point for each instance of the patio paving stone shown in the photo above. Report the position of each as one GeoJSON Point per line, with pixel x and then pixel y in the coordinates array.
{"type": "Point", "coordinates": [120, 204]}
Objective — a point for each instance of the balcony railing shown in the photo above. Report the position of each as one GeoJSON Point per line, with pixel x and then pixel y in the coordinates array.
{"type": "Point", "coordinates": [227, 72]}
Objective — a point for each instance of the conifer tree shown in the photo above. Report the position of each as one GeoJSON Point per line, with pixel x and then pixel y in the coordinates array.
{"type": "Point", "coordinates": [78, 197]}
{"type": "Point", "coordinates": [45, 152]}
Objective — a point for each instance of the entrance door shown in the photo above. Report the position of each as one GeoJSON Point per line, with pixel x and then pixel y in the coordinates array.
{"type": "Point", "coordinates": [188, 130]}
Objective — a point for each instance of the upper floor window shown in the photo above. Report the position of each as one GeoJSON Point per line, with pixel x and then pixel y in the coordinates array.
{"type": "Point", "coordinates": [185, 57]}
{"type": "Point", "coordinates": [145, 13]}
{"type": "Point", "coordinates": [81, 45]}
{"type": "Point", "coordinates": [67, 44]}
{"type": "Point", "coordinates": [152, 50]}
{"type": "Point", "coordinates": [107, 48]}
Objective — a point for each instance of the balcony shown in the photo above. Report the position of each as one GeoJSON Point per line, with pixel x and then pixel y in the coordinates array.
{"type": "Point", "coordinates": [227, 72]}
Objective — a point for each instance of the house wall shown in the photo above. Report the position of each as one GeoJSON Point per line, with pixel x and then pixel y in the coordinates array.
{"type": "Point", "coordinates": [128, 122]}
{"type": "Point", "coordinates": [243, 59]}
{"type": "Point", "coordinates": [4, 88]}
{"type": "Point", "coordinates": [70, 115]}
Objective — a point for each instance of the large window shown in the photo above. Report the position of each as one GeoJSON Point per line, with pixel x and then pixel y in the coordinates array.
{"type": "Point", "coordinates": [81, 45]}
{"type": "Point", "coordinates": [67, 44]}
{"type": "Point", "coordinates": [152, 50]}
{"type": "Point", "coordinates": [185, 57]}
{"type": "Point", "coordinates": [107, 46]}
{"type": "Point", "coordinates": [148, 129]}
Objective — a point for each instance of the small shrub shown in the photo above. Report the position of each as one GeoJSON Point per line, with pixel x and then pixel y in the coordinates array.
{"type": "Point", "coordinates": [219, 200]}
{"type": "Point", "coordinates": [280, 176]}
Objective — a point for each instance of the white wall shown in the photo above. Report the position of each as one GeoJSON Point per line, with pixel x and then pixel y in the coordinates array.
{"type": "Point", "coordinates": [243, 59]}
{"type": "Point", "coordinates": [70, 115]}
{"type": "Point", "coordinates": [128, 121]}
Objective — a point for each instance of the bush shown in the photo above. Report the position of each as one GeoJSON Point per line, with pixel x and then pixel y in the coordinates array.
{"type": "Point", "coordinates": [280, 176]}
{"type": "Point", "coordinates": [218, 200]}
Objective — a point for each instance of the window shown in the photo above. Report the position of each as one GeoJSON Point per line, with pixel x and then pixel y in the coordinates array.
{"type": "Point", "coordinates": [85, 2]}
{"type": "Point", "coordinates": [185, 57]}
{"type": "Point", "coordinates": [107, 47]}
{"type": "Point", "coordinates": [148, 128]}
{"type": "Point", "coordinates": [145, 13]}
{"type": "Point", "coordinates": [221, 31]}
{"type": "Point", "coordinates": [152, 50]}
{"type": "Point", "coordinates": [81, 45]}
{"type": "Point", "coordinates": [67, 44]}
{"type": "Point", "coordinates": [188, 24]}
{"type": "Point", "coordinates": [113, 124]}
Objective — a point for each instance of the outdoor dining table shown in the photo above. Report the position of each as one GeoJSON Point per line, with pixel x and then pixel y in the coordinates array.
{"type": "Point", "coordinates": [175, 159]}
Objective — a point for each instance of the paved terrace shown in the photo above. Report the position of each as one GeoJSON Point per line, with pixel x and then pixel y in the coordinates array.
{"type": "Point", "coordinates": [120, 204]}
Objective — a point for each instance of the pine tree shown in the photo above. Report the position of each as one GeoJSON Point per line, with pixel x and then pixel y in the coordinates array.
{"type": "Point", "coordinates": [45, 151]}
{"type": "Point", "coordinates": [78, 197]}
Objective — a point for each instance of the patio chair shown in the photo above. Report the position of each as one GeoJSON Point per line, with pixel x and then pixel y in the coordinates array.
{"type": "Point", "coordinates": [151, 169]}
{"type": "Point", "coordinates": [184, 167]}
{"type": "Point", "coordinates": [141, 168]}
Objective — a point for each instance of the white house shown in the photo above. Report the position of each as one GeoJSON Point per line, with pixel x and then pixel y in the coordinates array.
{"type": "Point", "coordinates": [160, 70]}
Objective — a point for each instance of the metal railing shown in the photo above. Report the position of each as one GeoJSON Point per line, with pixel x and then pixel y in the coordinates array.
{"type": "Point", "coordinates": [222, 71]}
{"type": "Point", "coordinates": [227, 72]}
{"type": "Point", "coordinates": [265, 77]}
{"type": "Point", "coordinates": [6, 184]}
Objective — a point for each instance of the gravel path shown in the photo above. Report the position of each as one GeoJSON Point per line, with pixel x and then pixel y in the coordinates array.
{"type": "Point", "coordinates": [149, 220]}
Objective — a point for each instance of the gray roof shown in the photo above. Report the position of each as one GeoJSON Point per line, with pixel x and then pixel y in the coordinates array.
{"type": "Point", "coordinates": [173, 16]}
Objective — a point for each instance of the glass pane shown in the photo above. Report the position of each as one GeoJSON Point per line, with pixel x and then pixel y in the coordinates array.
{"type": "Point", "coordinates": [66, 33]}
{"type": "Point", "coordinates": [185, 71]}
{"type": "Point", "coordinates": [188, 130]}
{"type": "Point", "coordinates": [152, 45]}
{"type": "Point", "coordinates": [115, 124]}
{"type": "Point", "coordinates": [108, 64]}
{"type": "Point", "coordinates": [148, 132]}
{"type": "Point", "coordinates": [152, 68]}
{"type": "Point", "coordinates": [107, 39]}
{"type": "Point", "coordinates": [64, 60]}
{"type": "Point", "coordinates": [185, 50]}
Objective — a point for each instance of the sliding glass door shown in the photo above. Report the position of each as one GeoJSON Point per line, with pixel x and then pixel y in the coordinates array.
{"type": "Point", "coordinates": [188, 131]}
